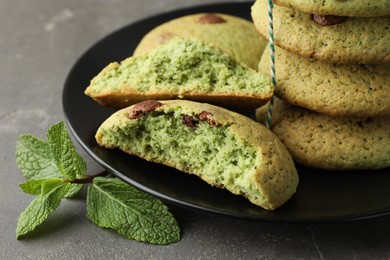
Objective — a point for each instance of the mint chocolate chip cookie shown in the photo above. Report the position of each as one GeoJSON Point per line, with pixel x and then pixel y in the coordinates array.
{"type": "Point", "coordinates": [232, 34]}
{"type": "Point", "coordinates": [181, 69]}
{"type": "Point", "coordinates": [358, 90]}
{"type": "Point", "coordinates": [347, 40]}
{"type": "Point", "coordinates": [365, 8]}
{"type": "Point", "coordinates": [223, 148]}
{"type": "Point", "coordinates": [335, 143]}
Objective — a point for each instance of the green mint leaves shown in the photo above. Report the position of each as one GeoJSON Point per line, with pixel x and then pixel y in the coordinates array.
{"type": "Point", "coordinates": [34, 158]}
{"type": "Point", "coordinates": [49, 166]}
{"type": "Point", "coordinates": [54, 171]}
{"type": "Point", "coordinates": [64, 155]}
{"type": "Point", "coordinates": [56, 157]}
{"type": "Point", "coordinates": [39, 209]}
{"type": "Point", "coordinates": [137, 215]}
{"type": "Point", "coordinates": [41, 186]}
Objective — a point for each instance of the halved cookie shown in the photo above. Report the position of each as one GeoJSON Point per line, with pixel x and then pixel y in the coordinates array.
{"type": "Point", "coordinates": [184, 69]}
{"type": "Point", "coordinates": [224, 148]}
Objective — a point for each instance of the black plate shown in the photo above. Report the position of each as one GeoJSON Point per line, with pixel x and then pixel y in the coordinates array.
{"type": "Point", "coordinates": [321, 195]}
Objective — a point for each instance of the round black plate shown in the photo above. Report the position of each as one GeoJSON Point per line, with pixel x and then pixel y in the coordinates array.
{"type": "Point", "coordinates": [321, 195]}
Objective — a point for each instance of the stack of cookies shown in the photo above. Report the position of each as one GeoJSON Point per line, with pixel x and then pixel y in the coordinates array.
{"type": "Point", "coordinates": [333, 80]}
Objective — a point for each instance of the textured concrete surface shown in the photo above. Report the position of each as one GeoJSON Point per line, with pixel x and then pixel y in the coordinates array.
{"type": "Point", "coordinates": [39, 42]}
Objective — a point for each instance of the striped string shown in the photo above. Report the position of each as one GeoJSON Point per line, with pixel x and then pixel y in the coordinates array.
{"type": "Point", "coordinates": [272, 56]}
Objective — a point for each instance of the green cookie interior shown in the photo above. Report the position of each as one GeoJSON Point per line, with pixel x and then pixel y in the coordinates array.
{"type": "Point", "coordinates": [211, 152]}
{"type": "Point", "coordinates": [182, 65]}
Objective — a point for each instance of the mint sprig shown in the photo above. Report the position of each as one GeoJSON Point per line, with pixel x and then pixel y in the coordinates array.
{"type": "Point", "coordinates": [54, 170]}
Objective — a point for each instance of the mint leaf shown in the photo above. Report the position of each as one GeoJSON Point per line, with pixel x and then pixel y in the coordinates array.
{"type": "Point", "coordinates": [69, 163]}
{"type": "Point", "coordinates": [34, 158]}
{"type": "Point", "coordinates": [112, 203]}
{"type": "Point", "coordinates": [41, 186]}
{"type": "Point", "coordinates": [73, 190]}
{"type": "Point", "coordinates": [39, 209]}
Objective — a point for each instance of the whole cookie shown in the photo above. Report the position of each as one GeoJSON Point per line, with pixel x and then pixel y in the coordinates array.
{"type": "Point", "coordinates": [326, 142]}
{"type": "Point", "coordinates": [235, 35]}
{"type": "Point", "coordinates": [334, 89]}
{"type": "Point", "coordinates": [351, 40]}
{"type": "Point", "coordinates": [340, 8]}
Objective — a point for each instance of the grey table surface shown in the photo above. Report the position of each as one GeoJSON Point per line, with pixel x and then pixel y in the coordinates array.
{"type": "Point", "coordinates": [40, 40]}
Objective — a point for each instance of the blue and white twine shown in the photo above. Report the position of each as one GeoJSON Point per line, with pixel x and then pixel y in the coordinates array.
{"type": "Point", "coordinates": [272, 56]}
